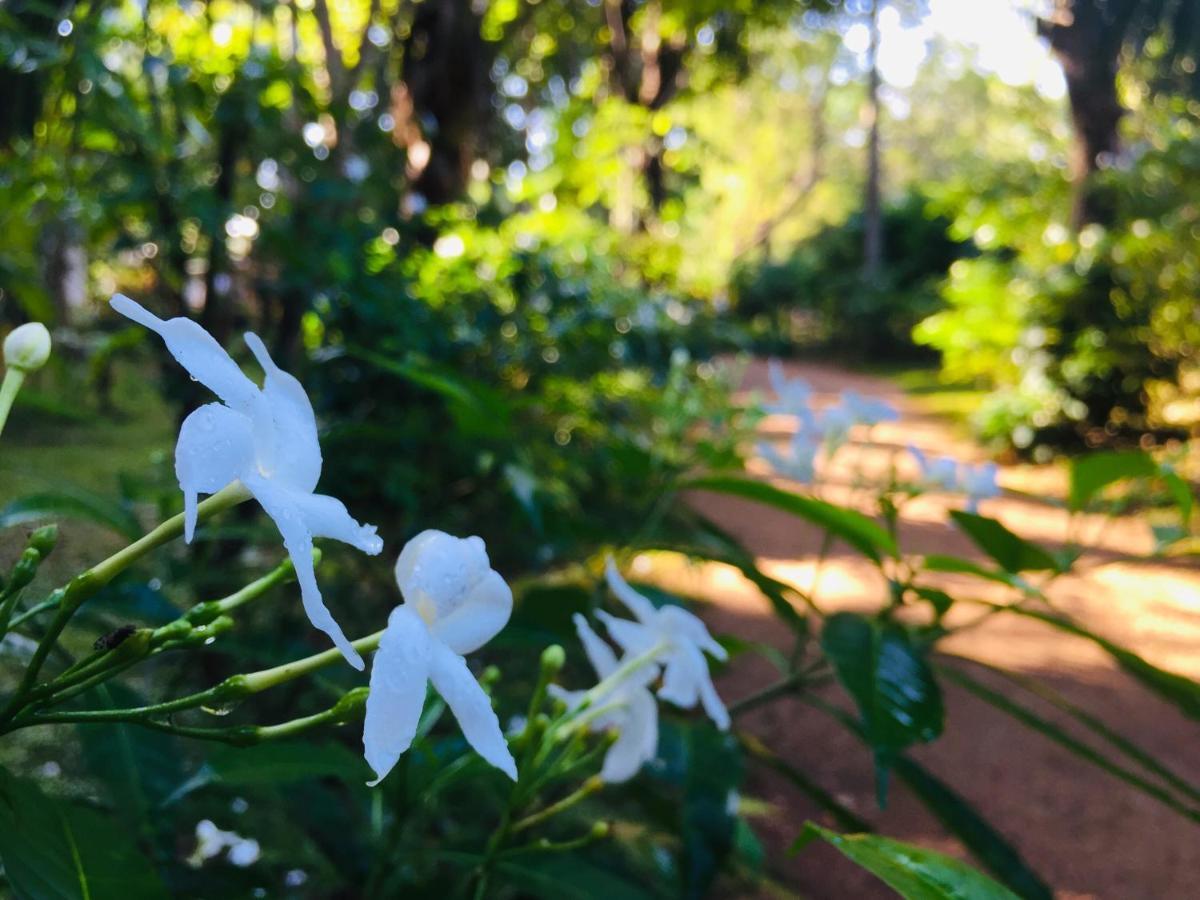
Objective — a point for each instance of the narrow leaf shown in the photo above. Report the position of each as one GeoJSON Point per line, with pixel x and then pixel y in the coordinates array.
{"type": "Point", "coordinates": [864, 534]}
{"type": "Point", "coordinates": [914, 872]}
{"type": "Point", "coordinates": [1091, 474]}
{"type": "Point", "coordinates": [1013, 553]}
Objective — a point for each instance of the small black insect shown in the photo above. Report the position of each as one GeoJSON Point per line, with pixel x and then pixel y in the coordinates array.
{"type": "Point", "coordinates": [114, 638]}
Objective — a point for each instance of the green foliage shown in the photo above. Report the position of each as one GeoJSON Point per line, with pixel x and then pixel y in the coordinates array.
{"type": "Point", "coordinates": [1081, 335]}
{"type": "Point", "coordinates": [823, 279]}
{"type": "Point", "coordinates": [913, 872]}
{"type": "Point", "coordinates": [53, 850]}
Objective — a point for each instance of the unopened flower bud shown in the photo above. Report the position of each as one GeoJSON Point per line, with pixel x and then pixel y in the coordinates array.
{"type": "Point", "coordinates": [43, 539]}
{"type": "Point", "coordinates": [553, 658]}
{"type": "Point", "coordinates": [27, 348]}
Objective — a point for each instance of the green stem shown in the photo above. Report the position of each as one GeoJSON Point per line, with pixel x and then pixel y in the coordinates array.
{"type": "Point", "coordinates": [779, 688]}
{"type": "Point", "coordinates": [13, 379]}
{"type": "Point", "coordinates": [86, 584]}
{"type": "Point", "coordinates": [589, 787]}
{"type": "Point", "coordinates": [598, 833]}
{"type": "Point", "coordinates": [231, 689]}
{"type": "Point", "coordinates": [614, 679]}
{"type": "Point", "coordinates": [36, 609]}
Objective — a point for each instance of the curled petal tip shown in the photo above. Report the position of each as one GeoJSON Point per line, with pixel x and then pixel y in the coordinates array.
{"type": "Point", "coordinates": [369, 542]}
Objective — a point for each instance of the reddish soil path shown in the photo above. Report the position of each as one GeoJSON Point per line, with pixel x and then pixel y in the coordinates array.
{"type": "Point", "coordinates": [1087, 833]}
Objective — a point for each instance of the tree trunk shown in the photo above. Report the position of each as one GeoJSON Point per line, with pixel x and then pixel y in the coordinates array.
{"type": "Point", "coordinates": [1085, 36]}
{"type": "Point", "coordinates": [872, 203]}
{"type": "Point", "coordinates": [442, 107]}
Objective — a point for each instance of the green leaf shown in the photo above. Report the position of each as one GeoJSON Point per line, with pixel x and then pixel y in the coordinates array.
{"type": "Point", "coordinates": [888, 676]}
{"type": "Point", "coordinates": [572, 877]}
{"type": "Point", "coordinates": [54, 851]}
{"type": "Point", "coordinates": [1181, 495]}
{"type": "Point", "coordinates": [1013, 553]}
{"type": "Point", "coordinates": [940, 600]}
{"type": "Point", "coordinates": [956, 814]}
{"type": "Point", "coordinates": [863, 533]}
{"type": "Point", "coordinates": [275, 764]}
{"type": "Point", "coordinates": [1177, 689]}
{"type": "Point", "coordinates": [962, 820]}
{"type": "Point", "coordinates": [776, 592]}
{"type": "Point", "coordinates": [913, 872]}
{"type": "Point", "coordinates": [1085, 751]}
{"type": "Point", "coordinates": [845, 816]}
{"type": "Point", "coordinates": [1091, 474]}
{"type": "Point", "coordinates": [939, 562]}
{"type": "Point", "coordinates": [73, 503]}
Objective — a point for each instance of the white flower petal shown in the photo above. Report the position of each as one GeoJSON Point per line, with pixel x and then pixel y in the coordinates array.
{"type": "Point", "coordinates": [681, 680]}
{"type": "Point", "coordinates": [479, 617]}
{"type": "Point", "coordinates": [683, 624]}
{"type": "Point", "coordinates": [399, 673]}
{"type": "Point", "coordinates": [198, 352]}
{"type": "Point", "coordinates": [328, 517]}
{"type": "Point", "coordinates": [632, 637]}
{"type": "Point", "coordinates": [599, 654]}
{"type": "Point", "coordinates": [637, 742]}
{"type": "Point", "coordinates": [711, 701]}
{"type": "Point", "coordinates": [450, 583]}
{"type": "Point", "coordinates": [215, 447]}
{"type": "Point", "coordinates": [280, 504]}
{"type": "Point", "coordinates": [641, 608]}
{"type": "Point", "coordinates": [292, 453]}
{"type": "Point", "coordinates": [471, 707]}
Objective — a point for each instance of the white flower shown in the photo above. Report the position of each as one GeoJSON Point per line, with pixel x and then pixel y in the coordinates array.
{"type": "Point", "coordinates": [27, 347]}
{"type": "Point", "coordinates": [454, 603]}
{"type": "Point", "coordinates": [939, 471]}
{"type": "Point", "coordinates": [633, 712]}
{"type": "Point", "coordinates": [793, 396]}
{"type": "Point", "coordinates": [979, 483]}
{"type": "Point", "coordinates": [867, 410]}
{"type": "Point", "coordinates": [267, 439]}
{"type": "Point", "coordinates": [211, 841]}
{"type": "Point", "coordinates": [683, 640]}
{"type": "Point", "coordinates": [834, 426]}
{"type": "Point", "coordinates": [799, 463]}
{"type": "Point", "coordinates": [244, 852]}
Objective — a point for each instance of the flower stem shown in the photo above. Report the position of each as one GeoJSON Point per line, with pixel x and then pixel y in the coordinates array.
{"type": "Point", "coordinates": [13, 379]}
{"type": "Point", "coordinates": [589, 787]}
{"type": "Point", "coordinates": [87, 583]}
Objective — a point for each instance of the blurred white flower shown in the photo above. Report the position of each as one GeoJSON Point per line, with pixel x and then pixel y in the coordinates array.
{"type": "Point", "coordinates": [267, 439]}
{"type": "Point", "coordinates": [793, 396]}
{"type": "Point", "coordinates": [211, 841]}
{"type": "Point", "coordinates": [833, 425]}
{"type": "Point", "coordinates": [454, 603]}
{"type": "Point", "coordinates": [979, 483]}
{"type": "Point", "coordinates": [799, 463]}
{"type": "Point", "coordinates": [867, 410]}
{"type": "Point", "coordinates": [244, 852]}
{"type": "Point", "coordinates": [683, 640]}
{"type": "Point", "coordinates": [628, 705]}
{"type": "Point", "coordinates": [27, 347]}
{"type": "Point", "coordinates": [938, 471]}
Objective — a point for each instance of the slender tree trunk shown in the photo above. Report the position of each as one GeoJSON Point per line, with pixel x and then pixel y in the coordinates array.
{"type": "Point", "coordinates": [872, 204]}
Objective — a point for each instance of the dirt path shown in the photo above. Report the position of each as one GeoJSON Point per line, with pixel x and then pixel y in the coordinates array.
{"type": "Point", "coordinates": [1087, 833]}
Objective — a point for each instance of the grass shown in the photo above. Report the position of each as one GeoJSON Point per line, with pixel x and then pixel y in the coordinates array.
{"type": "Point", "coordinates": [60, 440]}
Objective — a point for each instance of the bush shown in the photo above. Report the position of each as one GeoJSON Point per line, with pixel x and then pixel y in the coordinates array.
{"type": "Point", "coordinates": [823, 279]}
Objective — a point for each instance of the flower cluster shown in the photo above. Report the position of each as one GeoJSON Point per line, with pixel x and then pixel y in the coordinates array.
{"type": "Point", "coordinates": [828, 429]}
{"type": "Point", "coordinates": [265, 439]}
{"type": "Point", "coordinates": [666, 640]}
{"type": "Point", "coordinates": [977, 481]}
